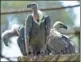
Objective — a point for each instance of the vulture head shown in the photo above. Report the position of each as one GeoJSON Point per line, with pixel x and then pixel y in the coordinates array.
{"type": "Point", "coordinates": [59, 24]}
{"type": "Point", "coordinates": [36, 13]}
{"type": "Point", "coordinates": [33, 6]}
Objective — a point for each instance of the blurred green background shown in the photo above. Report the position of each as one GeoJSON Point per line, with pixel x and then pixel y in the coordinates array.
{"type": "Point", "coordinates": [67, 16]}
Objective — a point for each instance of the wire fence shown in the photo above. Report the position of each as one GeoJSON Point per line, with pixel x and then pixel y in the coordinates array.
{"type": "Point", "coordinates": [76, 30]}
{"type": "Point", "coordinates": [42, 9]}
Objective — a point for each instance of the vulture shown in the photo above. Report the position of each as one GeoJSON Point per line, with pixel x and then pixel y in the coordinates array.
{"type": "Point", "coordinates": [21, 41]}
{"type": "Point", "coordinates": [37, 27]}
{"type": "Point", "coordinates": [17, 30]}
{"type": "Point", "coordinates": [58, 43]}
{"type": "Point", "coordinates": [7, 42]}
{"type": "Point", "coordinates": [6, 35]}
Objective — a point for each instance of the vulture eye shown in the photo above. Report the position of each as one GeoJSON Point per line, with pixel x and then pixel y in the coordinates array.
{"type": "Point", "coordinates": [31, 5]}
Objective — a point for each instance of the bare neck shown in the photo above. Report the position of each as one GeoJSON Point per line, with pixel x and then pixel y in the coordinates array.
{"type": "Point", "coordinates": [35, 14]}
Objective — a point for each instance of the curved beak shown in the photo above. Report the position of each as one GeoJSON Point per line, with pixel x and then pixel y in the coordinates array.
{"type": "Point", "coordinates": [63, 26]}
{"type": "Point", "coordinates": [29, 6]}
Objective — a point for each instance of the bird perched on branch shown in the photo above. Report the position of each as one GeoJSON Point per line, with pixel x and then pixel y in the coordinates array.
{"type": "Point", "coordinates": [58, 43]}
{"type": "Point", "coordinates": [37, 28]}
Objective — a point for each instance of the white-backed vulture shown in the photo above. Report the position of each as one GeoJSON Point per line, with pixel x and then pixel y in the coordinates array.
{"type": "Point", "coordinates": [58, 43]}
